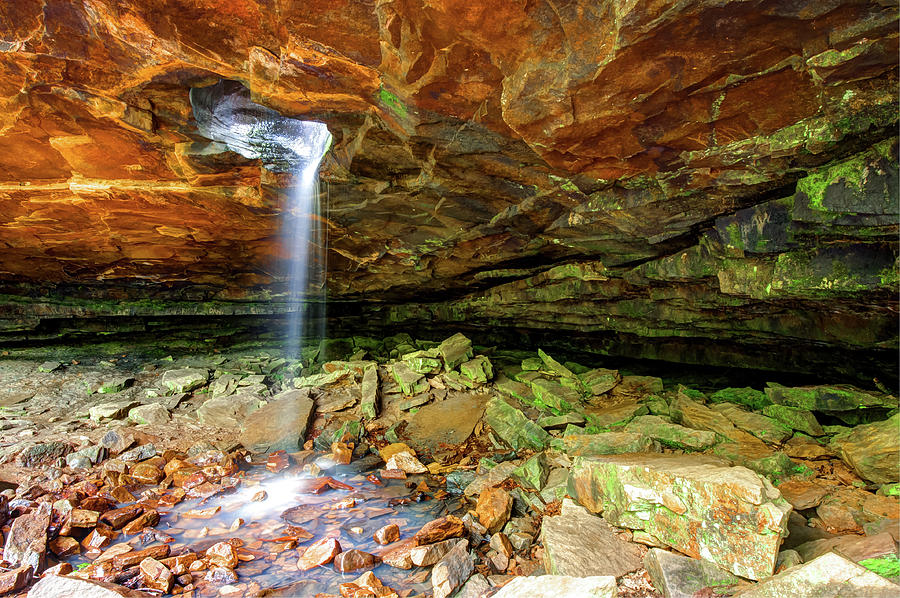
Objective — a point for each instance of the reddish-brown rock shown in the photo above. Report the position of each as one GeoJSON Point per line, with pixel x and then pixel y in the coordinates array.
{"type": "Point", "coordinates": [318, 554]}
{"type": "Point", "coordinates": [387, 534]}
{"type": "Point", "coordinates": [353, 560]}
{"type": "Point", "coordinates": [155, 575]}
{"type": "Point", "coordinates": [446, 527]}
{"type": "Point", "coordinates": [15, 579]}
{"type": "Point", "coordinates": [493, 508]}
{"type": "Point", "coordinates": [222, 554]}
{"type": "Point", "coordinates": [117, 518]}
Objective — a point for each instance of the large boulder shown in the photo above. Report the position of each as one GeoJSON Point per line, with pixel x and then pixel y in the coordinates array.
{"type": "Point", "coordinates": [872, 450]}
{"type": "Point", "coordinates": [694, 503]}
{"type": "Point", "coordinates": [513, 427]}
{"type": "Point", "coordinates": [279, 425]}
{"type": "Point", "coordinates": [559, 586]}
{"type": "Point", "coordinates": [184, 380]}
{"type": "Point", "coordinates": [829, 576]}
{"type": "Point", "coordinates": [578, 543]}
{"type": "Point", "coordinates": [678, 576]}
{"type": "Point", "coordinates": [229, 411]}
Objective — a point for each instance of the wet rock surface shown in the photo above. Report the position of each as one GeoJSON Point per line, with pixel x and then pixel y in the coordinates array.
{"type": "Point", "coordinates": [183, 507]}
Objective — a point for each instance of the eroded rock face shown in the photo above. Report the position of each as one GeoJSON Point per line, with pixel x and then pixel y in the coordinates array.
{"type": "Point", "coordinates": [705, 170]}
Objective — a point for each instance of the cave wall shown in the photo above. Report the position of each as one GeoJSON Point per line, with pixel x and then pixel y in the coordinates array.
{"type": "Point", "coordinates": [694, 181]}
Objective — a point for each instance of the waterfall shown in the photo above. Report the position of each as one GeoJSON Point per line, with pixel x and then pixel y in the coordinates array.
{"type": "Point", "coordinates": [305, 236]}
{"type": "Point", "coordinates": [225, 114]}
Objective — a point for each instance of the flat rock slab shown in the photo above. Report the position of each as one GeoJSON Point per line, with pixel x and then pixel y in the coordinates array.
{"type": "Point", "coordinates": [279, 425]}
{"type": "Point", "coordinates": [450, 422]}
{"type": "Point", "coordinates": [678, 576]}
{"type": "Point", "coordinates": [606, 443]}
{"type": "Point", "coordinates": [580, 544]}
{"type": "Point", "coordinates": [693, 503]}
{"type": "Point", "coordinates": [229, 412]}
{"type": "Point", "coordinates": [829, 576]}
{"type": "Point", "coordinates": [54, 586]}
{"type": "Point", "coordinates": [559, 586]}
{"type": "Point", "coordinates": [669, 434]}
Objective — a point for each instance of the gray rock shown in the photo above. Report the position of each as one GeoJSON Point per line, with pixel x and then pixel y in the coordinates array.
{"type": "Point", "coordinates": [154, 414]}
{"type": "Point", "coordinates": [493, 477]}
{"type": "Point", "coordinates": [116, 442]}
{"type": "Point", "coordinates": [49, 366]}
{"type": "Point", "coordinates": [109, 411]}
{"type": "Point", "coordinates": [279, 425]}
{"type": "Point", "coordinates": [476, 587]}
{"type": "Point", "coordinates": [670, 434]}
{"type": "Point", "coordinates": [558, 422]}
{"type": "Point", "coordinates": [829, 576]}
{"type": "Point", "coordinates": [764, 428]}
{"type": "Point", "coordinates": [510, 424]}
{"type": "Point", "coordinates": [139, 453]}
{"type": "Point", "coordinates": [230, 411]}
{"type": "Point", "coordinates": [184, 380]}
{"type": "Point", "coordinates": [44, 453]}
{"type": "Point", "coordinates": [58, 586]}
{"type": "Point", "coordinates": [580, 544]}
{"type": "Point", "coordinates": [872, 450]}
{"type": "Point", "coordinates": [114, 385]}
{"type": "Point", "coordinates": [559, 586]}
{"type": "Point", "coordinates": [26, 543]}
{"type": "Point", "coordinates": [677, 576]}
{"type": "Point", "coordinates": [369, 393]}
{"type": "Point", "coordinates": [77, 461]}
{"type": "Point", "coordinates": [455, 350]}
{"type": "Point", "coordinates": [452, 570]}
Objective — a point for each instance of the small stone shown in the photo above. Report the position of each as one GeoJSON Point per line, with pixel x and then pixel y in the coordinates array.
{"type": "Point", "coordinates": [493, 508]}
{"type": "Point", "coordinates": [407, 463]}
{"type": "Point", "coordinates": [157, 576]}
{"type": "Point", "coordinates": [455, 350]}
{"type": "Point", "coordinates": [398, 556]}
{"type": "Point", "coordinates": [319, 553]}
{"type": "Point", "coordinates": [117, 518]}
{"type": "Point", "coordinates": [520, 541]}
{"type": "Point", "coordinates": [446, 527]}
{"type": "Point", "coordinates": [64, 546]}
{"type": "Point", "coordinates": [139, 453]}
{"type": "Point", "coordinates": [221, 575]}
{"type": "Point", "coordinates": [387, 534]}
{"type": "Point", "coordinates": [500, 542]}
{"type": "Point", "coordinates": [49, 366]}
{"type": "Point", "coordinates": [452, 570]}
{"type": "Point", "coordinates": [137, 525]}
{"type": "Point", "coordinates": [222, 554]}
{"type": "Point", "coordinates": [144, 473]}
{"type": "Point", "coordinates": [115, 442]}
{"type": "Point", "coordinates": [108, 411]}
{"type": "Point", "coordinates": [114, 385]}
{"type": "Point", "coordinates": [353, 560]}
{"type": "Point", "coordinates": [559, 586]}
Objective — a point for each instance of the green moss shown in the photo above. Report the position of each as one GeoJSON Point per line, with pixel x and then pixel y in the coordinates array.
{"type": "Point", "coordinates": [752, 398]}
{"type": "Point", "coordinates": [392, 102]}
{"type": "Point", "coordinates": [886, 566]}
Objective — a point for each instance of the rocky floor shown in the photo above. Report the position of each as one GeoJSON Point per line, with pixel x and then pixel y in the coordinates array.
{"type": "Point", "coordinates": [396, 467]}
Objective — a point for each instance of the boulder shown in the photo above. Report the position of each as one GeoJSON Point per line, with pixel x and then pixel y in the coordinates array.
{"type": "Point", "coordinates": [606, 443]}
{"type": "Point", "coordinates": [455, 350]}
{"type": "Point", "coordinates": [559, 586]}
{"type": "Point", "coordinates": [452, 570]}
{"type": "Point", "coordinates": [872, 450]}
{"type": "Point", "coordinates": [599, 381]}
{"type": "Point", "coordinates": [580, 544]}
{"type": "Point", "coordinates": [108, 411]}
{"type": "Point", "coordinates": [493, 508]}
{"type": "Point", "coordinates": [694, 503]}
{"type": "Point", "coordinates": [229, 411]}
{"type": "Point", "coordinates": [184, 380]}
{"type": "Point", "coordinates": [154, 414]}
{"type": "Point", "coordinates": [279, 425]}
{"type": "Point", "coordinates": [765, 428]}
{"type": "Point", "coordinates": [513, 427]}
{"type": "Point", "coordinates": [369, 393]}
{"type": "Point", "coordinates": [828, 398]}
{"type": "Point", "coordinates": [411, 382]}
{"type": "Point", "coordinates": [671, 435]}
{"type": "Point", "coordinates": [829, 576]}
{"type": "Point", "coordinates": [57, 586]}
{"type": "Point", "coordinates": [678, 576]}
{"type": "Point", "coordinates": [802, 420]}
{"type": "Point", "coordinates": [26, 542]}
{"type": "Point", "coordinates": [554, 395]}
